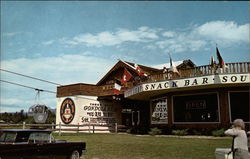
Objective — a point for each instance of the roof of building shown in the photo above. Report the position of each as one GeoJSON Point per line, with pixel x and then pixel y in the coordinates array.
{"type": "Point", "coordinates": [128, 65]}
{"type": "Point", "coordinates": [167, 65]}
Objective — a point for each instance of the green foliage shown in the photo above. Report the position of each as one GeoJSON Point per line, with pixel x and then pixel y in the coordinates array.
{"type": "Point", "coordinates": [197, 132]}
{"type": "Point", "coordinates": [29, 120]}
{"type": "Point", "coordinates": [20, 117]}
{"type": "Point", "coordinates": [155, 131]}
{"type": "Point", "coordinates": [219, 132]}
{"type": "Point", "coordinates": [51, 118]}
{"type": "Point", "coordinates": [180, 132]}
{"type": "Point", "coordinates": [17, 117]}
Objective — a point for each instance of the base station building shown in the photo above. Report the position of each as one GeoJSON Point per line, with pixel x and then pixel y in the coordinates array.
{"type": "Point", "coordinates": [199, 97]}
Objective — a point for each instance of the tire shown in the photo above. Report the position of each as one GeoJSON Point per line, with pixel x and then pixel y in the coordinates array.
{"type": "Point", "coordinates": [75, 155]}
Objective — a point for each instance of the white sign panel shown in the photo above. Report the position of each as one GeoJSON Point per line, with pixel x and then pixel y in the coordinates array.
{"type": "Point", "coordinates": [190, 82]}
{"type": "Point", "coordinates": [85, 110]}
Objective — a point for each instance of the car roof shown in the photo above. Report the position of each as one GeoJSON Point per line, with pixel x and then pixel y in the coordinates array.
{"type": "Point", "coordinates": [24, 130]}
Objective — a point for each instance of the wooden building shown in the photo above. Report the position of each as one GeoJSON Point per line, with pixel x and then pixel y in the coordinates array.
{"type": "Point", "coordinates": [195, 97]}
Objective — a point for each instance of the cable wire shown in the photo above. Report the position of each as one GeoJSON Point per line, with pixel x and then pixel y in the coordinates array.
{"type": "Point", "coordinates": [37, 89]}
{"type": "Point", "coordinates": [30, 77]}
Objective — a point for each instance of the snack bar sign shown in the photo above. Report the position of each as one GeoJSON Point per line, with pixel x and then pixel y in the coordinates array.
{"type": "Point", "coordinates": [189, 82]}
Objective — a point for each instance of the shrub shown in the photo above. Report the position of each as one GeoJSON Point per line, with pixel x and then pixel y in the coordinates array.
{"type": "Point", "coordinates": [143, 130]}
{"type": "Point", "coordinates": [128, 131]}
{"type": "Point", "coordinates": [180, 132]}
{"type": "Point", "coordinates": [219, 132]}
{"type": "Point", "coordinates": [196, 132]}
{"type": "Point", "coordinates": [155, 131]}
{"type": "Point", "coordinates": [132, 130]}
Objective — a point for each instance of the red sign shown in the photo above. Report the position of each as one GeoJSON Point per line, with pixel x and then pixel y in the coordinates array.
{"type": "Point", "coordinates": [196, 104]}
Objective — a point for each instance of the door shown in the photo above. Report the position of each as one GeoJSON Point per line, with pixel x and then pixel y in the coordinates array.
{"type": "Point", "coordinates": [127, 118]}
{"type": "Point", "coordinates": [136, 118]}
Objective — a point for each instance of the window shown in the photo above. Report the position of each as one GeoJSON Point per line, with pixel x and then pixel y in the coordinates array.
{"type": "Point", "coordinates": [239, 105]}
{"type": "Point", "coordinates": [159, 111]}
{"type": "Point", "coordinates": [8, 137]}
{"type": "Point", "coordinates": [196, 108]}
{"type": "Point", "coordinates": [40, 137]}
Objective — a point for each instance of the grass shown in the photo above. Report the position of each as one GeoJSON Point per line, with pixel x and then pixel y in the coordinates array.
{"type": "Point", "coordinates": [126, 146]}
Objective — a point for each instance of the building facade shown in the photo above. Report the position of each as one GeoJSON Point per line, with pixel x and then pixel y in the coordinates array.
{"type": "Point", "coordinates": [195, 97]}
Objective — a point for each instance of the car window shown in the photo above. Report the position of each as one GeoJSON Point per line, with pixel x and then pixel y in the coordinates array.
{"type": "Point", "coordinates": [8, 137]}
{"type": "Point", "coordinates": [39, 137]}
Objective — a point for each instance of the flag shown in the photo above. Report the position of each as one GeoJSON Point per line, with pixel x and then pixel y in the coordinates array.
{"type": "Point", "coordinates": [172, 66]}
{"type": "Point", "coordinates": [221, 61]}
{"type": "Point", "coordinates": [139, 71]}
{"type": "Point", "coordinates": [117, 87]}
{"type": "Point", "coordinates": [126, 76]}
{"type": "Point", "coordinates": [212, 62]}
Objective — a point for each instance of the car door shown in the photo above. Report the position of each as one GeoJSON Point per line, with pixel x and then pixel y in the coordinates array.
{"type": "Point", "coordinates": [52, 151]}
{"type": "Point", "coordinates": [46, 148]}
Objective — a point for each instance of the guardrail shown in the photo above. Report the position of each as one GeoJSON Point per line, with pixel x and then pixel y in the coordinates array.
{"type": "Point", "coordinates": [89, 128]}
{"type": "Point", "coordinates": [240, 67]}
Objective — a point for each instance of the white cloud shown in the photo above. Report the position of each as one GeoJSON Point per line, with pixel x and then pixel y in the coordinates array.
{"type": "Point", "coordinates": [48, 42]}
{"type": "Point", "coordinates": [227, 31]}
{"type": "Point", "coordinates": [181, 44]}
{"type": "Point", "coordinates": [10, 34]}
{"type": "Point", "coordinates": [18, 33]}
{"type": "Point", "coordinates": [15, 101]}
{"type": "Point", "coordinates": [64, 69]}
{"type": "Point", "coordinates": [192, 39]}
{"type": "Point", "coordinates": [107, 38]}
{"type": "Point", "coordinates": [199, 37]}
{"type": "Point", "coordinates": [169, 34]}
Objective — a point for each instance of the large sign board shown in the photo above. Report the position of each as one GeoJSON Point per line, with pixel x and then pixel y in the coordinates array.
{"type": "Point", "coordinates": [159, 111]}
{"type": "Point", "coordinates": [189, 82]}
{"type": "Point", "coordinates": [86, 111]}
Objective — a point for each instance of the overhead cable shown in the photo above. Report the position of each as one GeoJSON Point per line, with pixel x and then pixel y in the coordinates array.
{"type": "Point", "coordinates": [37, 89]}
{"type": "Point", "coordinates": [30, 77]}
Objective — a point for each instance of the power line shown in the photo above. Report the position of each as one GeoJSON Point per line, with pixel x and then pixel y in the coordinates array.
{"type": "Point", "coordinates": [30, 77]}
{"type": "Point", "coordinates": [37, 89]}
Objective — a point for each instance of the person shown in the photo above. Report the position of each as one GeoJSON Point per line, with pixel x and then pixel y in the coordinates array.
{"type": "Point", "coordinates": [240, 139]}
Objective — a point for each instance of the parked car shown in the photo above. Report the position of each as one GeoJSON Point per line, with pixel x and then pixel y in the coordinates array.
{"type": "Point", "coordinates": [37, 144]}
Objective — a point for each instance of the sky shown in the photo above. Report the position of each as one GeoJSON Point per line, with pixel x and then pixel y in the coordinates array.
{"type": "Point", "coordinates": [71, 42]}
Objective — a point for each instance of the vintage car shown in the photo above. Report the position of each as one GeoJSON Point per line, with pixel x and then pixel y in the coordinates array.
{"type": "Point", "coordinates": [34, 144]}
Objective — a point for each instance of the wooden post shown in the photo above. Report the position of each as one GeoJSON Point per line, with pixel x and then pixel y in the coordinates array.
{"type": "Point", "coordinates": [24, 125]}
{"type": "Point", "coordinates": [60, 126]}
{"type": "Point", "coordinates": [116, 128]}
{"type": "Point", "coordinates": [52, 126]}
{"type": "Point", "coordinates": [93, 129]}
{"type": "Point", "coordinates": [89, 127]}
{"type": "Point", "coordinates": [78, 127]}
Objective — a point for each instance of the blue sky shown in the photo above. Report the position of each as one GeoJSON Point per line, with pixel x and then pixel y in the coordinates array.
{"type": "Point", "coordinates": [71, 42]}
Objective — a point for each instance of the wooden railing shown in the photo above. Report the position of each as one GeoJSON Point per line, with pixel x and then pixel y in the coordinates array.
{"type": "Point", "coordinates": [241, 67]}
{"type": "Point", "coordinates": [87, 128]}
